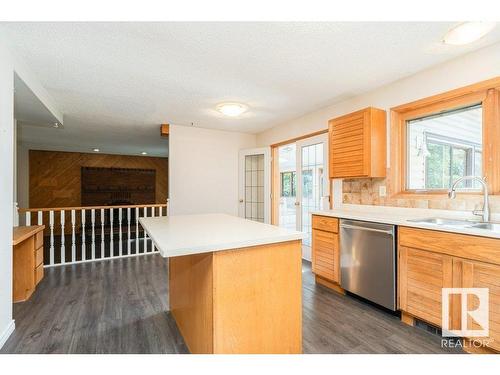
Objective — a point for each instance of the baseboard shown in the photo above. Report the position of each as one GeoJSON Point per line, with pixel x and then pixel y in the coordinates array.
{"type": "Point", "coordinates": [7, 332]}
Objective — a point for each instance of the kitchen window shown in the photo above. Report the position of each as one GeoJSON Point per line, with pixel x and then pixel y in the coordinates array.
{"type": "Point", "coordinates": [438, 139]}
{"type": "Point", "coordinates": [444, 147]}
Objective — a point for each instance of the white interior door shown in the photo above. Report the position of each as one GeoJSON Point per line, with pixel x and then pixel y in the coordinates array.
{"type": "Point", "coordinates": [255, 184]}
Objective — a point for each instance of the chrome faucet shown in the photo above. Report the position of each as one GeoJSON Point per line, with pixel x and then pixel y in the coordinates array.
{"type": "Point", "coordinates": [485, 212]}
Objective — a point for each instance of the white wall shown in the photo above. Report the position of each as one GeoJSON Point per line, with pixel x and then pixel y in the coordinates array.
{"type": "Point", "coordinates": [474, 67]}
{"type": "Point", "coordinates": [203, 169]}
{"type": "Point", "coordinates": [6, 189]}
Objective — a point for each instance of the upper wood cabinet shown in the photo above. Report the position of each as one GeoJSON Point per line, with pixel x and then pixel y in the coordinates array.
{"type": "Point", "coordinates": [357, 144]}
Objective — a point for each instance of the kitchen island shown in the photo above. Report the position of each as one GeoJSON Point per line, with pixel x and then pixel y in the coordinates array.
{"type": "Point", "coordinates": [234, 284]}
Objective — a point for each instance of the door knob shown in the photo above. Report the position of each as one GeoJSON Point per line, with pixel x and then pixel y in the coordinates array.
{"type": "Point", "coordinates": [241, 200]}
{"type": "Point", "coordinates": [297, 203]}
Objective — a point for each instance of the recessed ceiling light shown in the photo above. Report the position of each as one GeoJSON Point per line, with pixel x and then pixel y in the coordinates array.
{"type": "Point", "coordinates": [144, 153]}
{"type": "Point", "coordinates": [55, 125]}
{"type": "Point", "coordinates": [95, 150]}
{"type": "Point", "coordinates": [232, 109]}
{"type": "Point", "coordinates": [468, 32]}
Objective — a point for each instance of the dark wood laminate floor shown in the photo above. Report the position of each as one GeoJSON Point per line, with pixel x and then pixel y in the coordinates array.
{"type": "Point", "coordinates": [119, 306]}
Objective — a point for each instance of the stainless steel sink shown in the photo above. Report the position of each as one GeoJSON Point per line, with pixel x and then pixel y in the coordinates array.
{"type": "Point", "coordinates": [457, 223]}
{"type": "Point", "coordinates": [495, 227]}
{"type": "Point", "coordinates": [444, 222]}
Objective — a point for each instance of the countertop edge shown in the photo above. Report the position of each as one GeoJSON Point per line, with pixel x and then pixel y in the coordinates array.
{"type": "Point", "coordinates": [405, 223]}
{"type": "Point", "coordinates": [25, 234]}
{"type": "Point", "coordinates": [181, 251]}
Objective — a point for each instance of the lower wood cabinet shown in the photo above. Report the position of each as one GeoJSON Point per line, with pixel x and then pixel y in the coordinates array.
{"type": "Point", "coordinates": [428, 263]}
{"type": "Point", "coordinates": [470, 274]}
{"type": "Point", "coordinates": [422, 275]}
{"type": "Point", "coordinates": [27, 261]}
{"type": "Point", "coordinates": [325, 251]}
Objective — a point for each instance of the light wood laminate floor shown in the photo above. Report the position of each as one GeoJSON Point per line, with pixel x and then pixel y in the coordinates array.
{"type": "Point", "coordinates": [119, 306]}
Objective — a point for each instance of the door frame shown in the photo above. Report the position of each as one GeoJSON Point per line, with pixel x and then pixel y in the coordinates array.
{"type": "Point", "coordinates": [275, 172]}
{"type": "Point", "coordinates": [266, 151]}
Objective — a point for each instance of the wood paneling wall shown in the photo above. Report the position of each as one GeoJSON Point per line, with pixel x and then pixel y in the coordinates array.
{"type": "Point", "coordinates": [54, 176]}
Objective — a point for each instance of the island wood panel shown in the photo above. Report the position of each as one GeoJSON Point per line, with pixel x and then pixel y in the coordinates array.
{"type": "Point", "coordinates": [258, 299]}
{"type": "Point", "coordinates": [55, 176]}
{"type": "Point", "coordinates": [239, 301]}
{"type": "Point", "coordinates": [191, 299]}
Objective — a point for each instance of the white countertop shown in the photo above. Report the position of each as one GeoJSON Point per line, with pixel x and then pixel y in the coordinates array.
{"type": "Point", "coordinates": [400, 216]}
{"type": "Point", "coordinates": [193, 234]}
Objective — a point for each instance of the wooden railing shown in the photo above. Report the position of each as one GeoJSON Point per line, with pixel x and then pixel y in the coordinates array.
{"type": "Point", "coordinates": [85, 234]}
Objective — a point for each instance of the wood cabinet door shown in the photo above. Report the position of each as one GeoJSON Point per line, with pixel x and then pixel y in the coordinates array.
{"type": "Point", "coordinates": [325, 255]}
{"type": "Point", "coordinates": [483, 275]}
{"type": "Point", "coordinates": [347, 145]}
{"type": "Point", "coordinates": [422, 275]}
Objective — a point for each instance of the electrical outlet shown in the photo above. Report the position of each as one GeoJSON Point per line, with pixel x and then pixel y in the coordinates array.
{"type": "Point", "coordinates": [382, 191]}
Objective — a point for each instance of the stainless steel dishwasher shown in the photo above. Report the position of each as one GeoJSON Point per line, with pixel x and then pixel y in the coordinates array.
{"type": "Point", "coordinates": [368, 261]}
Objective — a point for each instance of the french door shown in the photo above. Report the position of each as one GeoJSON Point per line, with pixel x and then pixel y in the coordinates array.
{"type": "Point", "coordinates": [254, 184]}
{"type": "Point", "coordinates": [304, 184]}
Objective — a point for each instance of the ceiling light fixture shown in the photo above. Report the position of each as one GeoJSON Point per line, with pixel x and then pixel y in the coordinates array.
{"type": "Point", "coordinates": [55, 125]}
{"type": "Point", "coordinates": [468, 32]}
{"type": "Point", "coordinates": [144, 153]}
{"type": "Point", "coordinates": [232, 109]}
{"type": "Point", "coordinates": [95, 150]}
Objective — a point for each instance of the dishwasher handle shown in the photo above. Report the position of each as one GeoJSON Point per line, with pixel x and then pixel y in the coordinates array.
{"type": "Point", "coordinates": [348, 226]}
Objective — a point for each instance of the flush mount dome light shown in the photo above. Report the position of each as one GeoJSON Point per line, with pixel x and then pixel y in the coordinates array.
{"type": "Point", "coordinates": [96, 150]}
{"type": "Point", "coordinates": [468, 32]}
{"type": "Point", "coordinates": [232, 109]}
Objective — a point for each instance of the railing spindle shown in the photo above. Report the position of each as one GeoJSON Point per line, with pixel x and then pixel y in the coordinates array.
{"type": "Point", "coordinates": [144, 232]}
{"type": "Point", "coordinates": [137, 230]}
{"type": "Point", "coordinates": [28, 218]}
{"type": "Point", "coordinates": [51, 226]}
{"type": "Point", "coordinates": [73, 245]}
{"type": "Point", "coordinates": [63, 249]}
{"type": "Point", "coordinates": [40, 218]}
{"type": "Point", "coordinates": [84, 250]}
{"type": "Point", "coordinates": [92, 220]}
{"type": "Point", "coordinates": [102, 234]}
{"type": "Point", "coordinates": [128, 230]}
{"type": "Point", "coordinates": [120, 231]}
{"type": "Point", "coordinates": [111, 243]}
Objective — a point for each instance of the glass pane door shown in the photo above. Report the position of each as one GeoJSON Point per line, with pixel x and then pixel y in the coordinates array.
{"type": "Point", "coordinates": [255, 184]}
{"type": "Point", "coordinates": [312, 185]}
{"type": "Point", "coordinates": [254, 187]}
{"type": "Point", "coordinates": [288, 186]}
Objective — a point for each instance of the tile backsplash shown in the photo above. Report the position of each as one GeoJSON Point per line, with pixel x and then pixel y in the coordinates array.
{"type": "Point", "coordinates": [366, 191]}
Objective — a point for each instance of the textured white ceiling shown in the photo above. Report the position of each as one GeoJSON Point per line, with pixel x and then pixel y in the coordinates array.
{"type": "Point", "coordinates": [116, 82]}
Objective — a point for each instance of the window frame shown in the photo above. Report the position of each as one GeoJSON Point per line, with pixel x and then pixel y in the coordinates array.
{"type": "Point", "coordinates": [485, 93]}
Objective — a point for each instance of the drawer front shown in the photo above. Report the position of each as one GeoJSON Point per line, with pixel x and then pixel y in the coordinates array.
{"type": "Point", "coordinates": [325, 255]}
{"type": "Point", "coordinates": [39, 256]}
{"type": "Point", "coordinates": [422, 276]}
{"type": "Point", "coordinates": [329, 224]}
{"type": "Point", "coordinates": [39, 239]}
{"type": "Point", "coordinates": [460, 245]}
{"type": "Point", "coordinates": [38, 274]}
